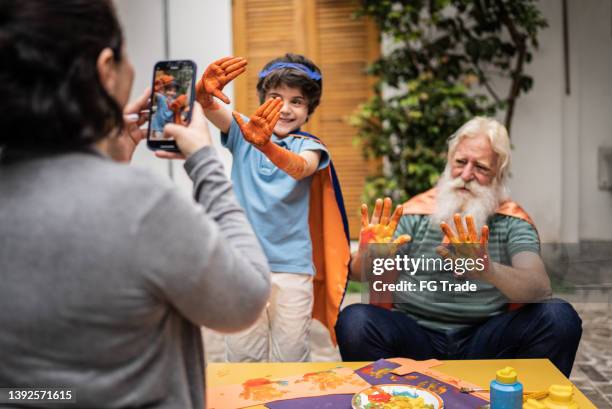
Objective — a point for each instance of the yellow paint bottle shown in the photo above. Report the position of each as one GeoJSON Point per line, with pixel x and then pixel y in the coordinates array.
{"type": "Point", "coordinates": [533, 404]}
{"type": "Point", "coordinates": [560, 397]}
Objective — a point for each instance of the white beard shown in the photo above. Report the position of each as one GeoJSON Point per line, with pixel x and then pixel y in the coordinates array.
{"type": "Point", "coordinates": [481, 201]}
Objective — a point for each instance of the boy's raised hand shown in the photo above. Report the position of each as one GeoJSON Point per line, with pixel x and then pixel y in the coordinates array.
{"type": "Point", "coordinates": [261, 124]}
{"type": "Point", "coordinates": [179, 103]}
{"type": "Point", "coordinates": [216, 76]}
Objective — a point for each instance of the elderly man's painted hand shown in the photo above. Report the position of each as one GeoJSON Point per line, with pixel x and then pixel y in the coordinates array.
{"type": "Point", "coordinates": [380, 228]}
{"type": "Point", "coordinates": [216, 76]}
{"type": "Point", "coordinates": [261, 124]}
{"type": "Point", "coordinates": [467, 245]}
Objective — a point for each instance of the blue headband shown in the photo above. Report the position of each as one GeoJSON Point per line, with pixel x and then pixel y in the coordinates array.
{"type": "Point", "coordinates": [300, 67]}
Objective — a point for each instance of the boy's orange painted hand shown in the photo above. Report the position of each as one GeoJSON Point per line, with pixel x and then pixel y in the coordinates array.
{"type": "Point", "coordinates": [261, 124]}
{"type": "Point", "coordinates": [216, 76]}
{"type": "Point", "coordinates": [158, 85]}
{"type": "Point", "coordinates": [466, 244]}
{"type": "Point", "coordinates": [179, 103]}
{"type": "Point", "coordinates": [162, 81]}
{"type": "Point", "coordinates": [381, 228]}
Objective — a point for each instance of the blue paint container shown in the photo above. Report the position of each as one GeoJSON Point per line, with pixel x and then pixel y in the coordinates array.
{"type": "Point", "coordinates": [506, 390]}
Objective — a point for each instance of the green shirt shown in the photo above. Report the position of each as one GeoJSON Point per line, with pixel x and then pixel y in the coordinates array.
{"type": "Point", "coordinates": [444, 310]}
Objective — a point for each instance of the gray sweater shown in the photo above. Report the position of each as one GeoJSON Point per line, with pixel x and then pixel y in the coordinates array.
{"type": "Point", "coordinates": [107, 272]}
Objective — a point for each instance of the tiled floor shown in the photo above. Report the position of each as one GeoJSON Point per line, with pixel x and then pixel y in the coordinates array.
{"type": "Point", "coordinates": [592, 371]}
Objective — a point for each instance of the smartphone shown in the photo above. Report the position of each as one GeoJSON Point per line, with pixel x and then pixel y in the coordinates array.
{"type": "Point", "coordinates": [172, 96]}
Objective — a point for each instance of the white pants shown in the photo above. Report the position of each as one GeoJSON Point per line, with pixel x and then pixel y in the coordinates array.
{"type": "Point", "coordinates": [282, 332]}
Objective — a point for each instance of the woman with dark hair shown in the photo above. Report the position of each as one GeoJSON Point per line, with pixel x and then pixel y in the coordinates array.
{"type": "Point", "coordinates": [106, 273]}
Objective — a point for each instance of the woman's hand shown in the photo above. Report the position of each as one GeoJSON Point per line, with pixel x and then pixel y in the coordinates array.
{"type": "Point", "coordinates": [121, 147]}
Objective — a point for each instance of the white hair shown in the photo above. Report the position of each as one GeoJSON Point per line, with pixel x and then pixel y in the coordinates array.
{"type": "Point", "coordinates": [498, 136]}
{"type": "Point", "coordinates": [486, 199]}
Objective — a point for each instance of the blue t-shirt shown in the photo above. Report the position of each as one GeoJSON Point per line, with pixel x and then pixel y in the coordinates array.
{"type": "Point", "coordinates": [163, 114]}
{"type": "Point", "coordinates": [275, 203]}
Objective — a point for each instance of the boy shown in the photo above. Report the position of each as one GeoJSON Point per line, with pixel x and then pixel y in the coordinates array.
{"type": "Point", "coordinates": [281, 177]}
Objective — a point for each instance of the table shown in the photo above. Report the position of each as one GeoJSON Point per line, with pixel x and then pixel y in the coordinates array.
{"type": "Point", "coordinates": [534, 374]}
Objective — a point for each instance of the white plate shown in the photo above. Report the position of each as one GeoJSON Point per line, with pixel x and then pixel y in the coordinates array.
{"type": "Point", "coordinates": [362, 399]}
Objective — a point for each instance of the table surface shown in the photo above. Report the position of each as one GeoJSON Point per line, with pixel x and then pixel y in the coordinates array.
{"type": "Point", "coordinates": [534, 374]}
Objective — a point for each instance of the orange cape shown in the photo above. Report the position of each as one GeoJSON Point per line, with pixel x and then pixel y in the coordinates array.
{"type": "Point", "coordinates": [425, 204]}
{"type": "Point", "coordinates": [330, 244]}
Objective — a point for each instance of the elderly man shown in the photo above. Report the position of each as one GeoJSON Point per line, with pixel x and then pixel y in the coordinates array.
{"type": "Point", "coordinates": [443, 323]}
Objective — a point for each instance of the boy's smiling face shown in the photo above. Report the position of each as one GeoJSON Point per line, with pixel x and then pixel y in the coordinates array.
{"type": "Point", "coordinates": [170, 92]}
{"type": "Point", "coordinates": [294, 112]}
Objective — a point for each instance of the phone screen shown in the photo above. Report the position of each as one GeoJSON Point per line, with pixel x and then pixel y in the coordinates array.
{"type": "Point", "coordinates": [172, 99]}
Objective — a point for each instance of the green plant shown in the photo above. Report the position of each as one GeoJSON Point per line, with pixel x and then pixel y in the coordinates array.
{"type": "Point", "coordinates": [443, 65]}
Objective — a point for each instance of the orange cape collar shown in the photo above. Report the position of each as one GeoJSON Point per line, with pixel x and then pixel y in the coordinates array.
{"type": "Point", "coordinates": [425, 203]}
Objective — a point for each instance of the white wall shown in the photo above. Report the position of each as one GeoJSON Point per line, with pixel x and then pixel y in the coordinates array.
{"type": "Point", "coordinates": [537, 131]}
{"type": "Point", "coordinates": [145, 46]}
{"type": "Point", "coordinates": [556, 136]}
{"type": "Point", "coordinates": [592, 35]}
{"type": "Point", "coordinates": [199, 30]}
